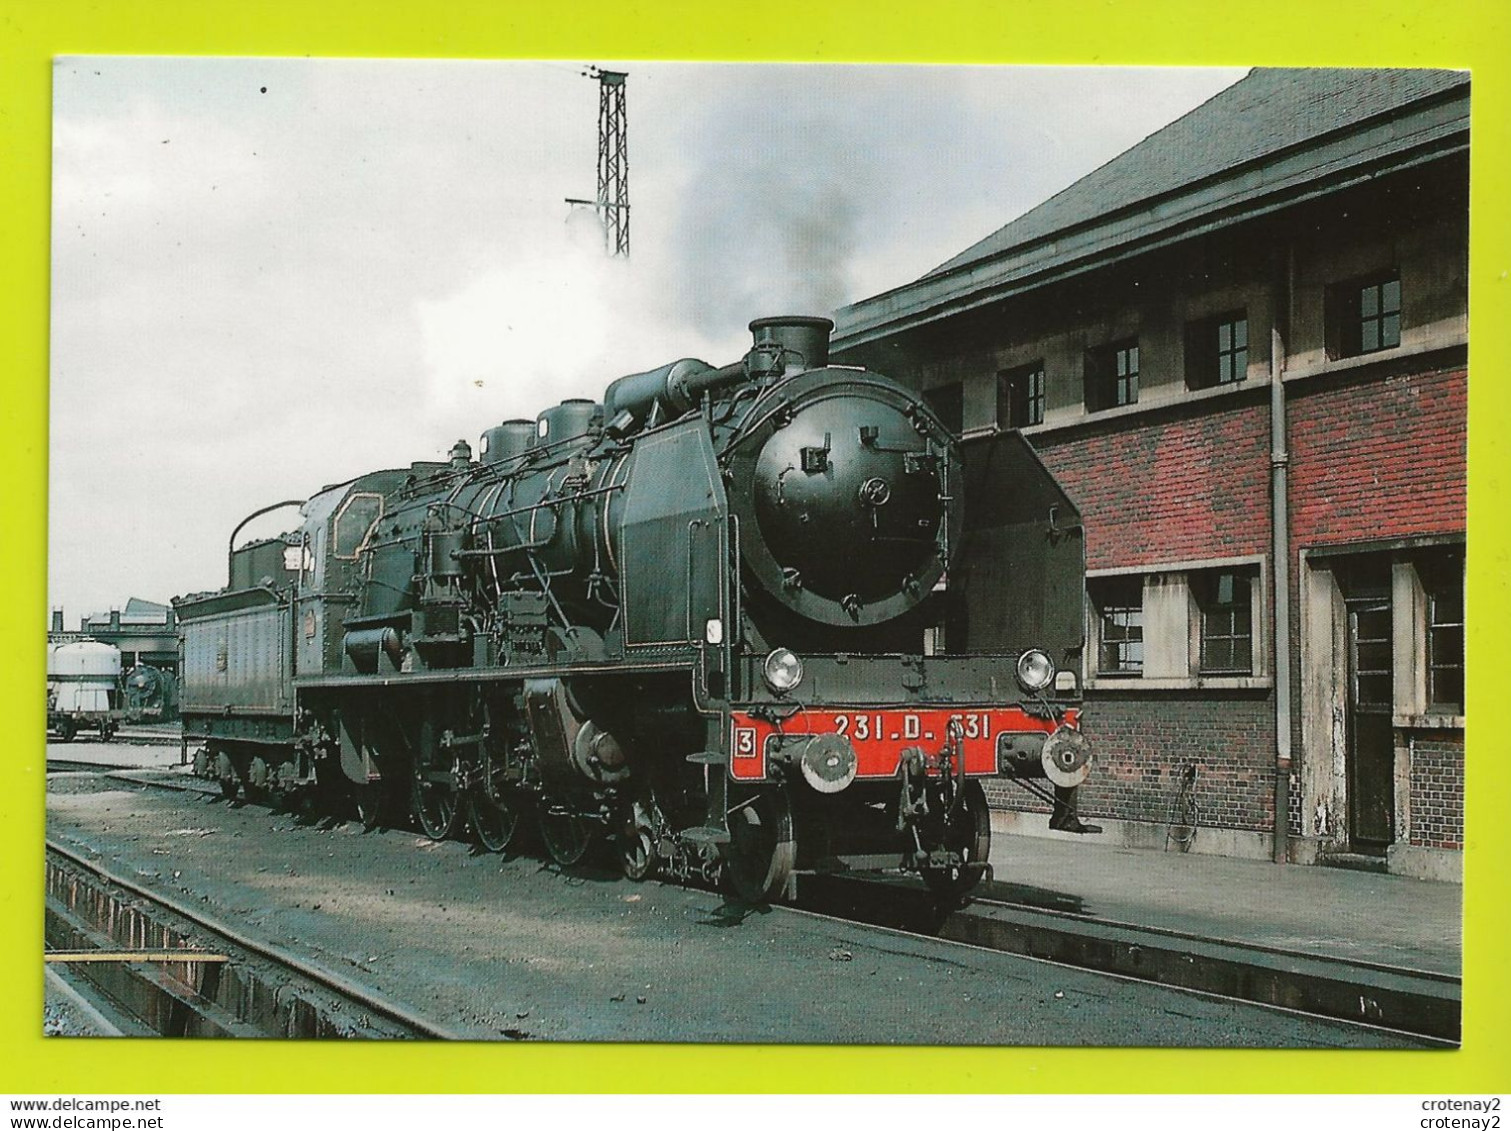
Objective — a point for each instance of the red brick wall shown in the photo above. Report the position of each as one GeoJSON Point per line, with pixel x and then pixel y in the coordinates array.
{"type": "Point", "coordinates": [1437, 790]}
{"type": "Point", "coordinates": [1142, 743]}
{"type": "Point", "coordinates": [1169, 490]}
{"type": "Point", "coordinates": [1378, 459]}
{"type": "Point", "coordinates": [1372, 457]}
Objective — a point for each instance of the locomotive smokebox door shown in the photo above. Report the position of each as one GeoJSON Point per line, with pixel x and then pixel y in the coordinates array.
{"type": "Point", "coordinates": [843, 486]}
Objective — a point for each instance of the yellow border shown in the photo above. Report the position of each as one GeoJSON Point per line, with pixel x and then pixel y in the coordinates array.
{"type": "Point", "coordinates": [1274, 32]}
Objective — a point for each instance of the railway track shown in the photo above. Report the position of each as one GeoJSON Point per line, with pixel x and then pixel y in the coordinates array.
{"type": "Point", "coordinates": [77, 766]}
{"type": "Point", "coordinates": [154, 965]}
{"type": "Point", "coordinates": [1421, 1004]}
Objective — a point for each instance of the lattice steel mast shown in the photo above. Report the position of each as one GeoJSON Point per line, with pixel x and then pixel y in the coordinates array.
{"type": "Point", "coordinates": [613, 203]}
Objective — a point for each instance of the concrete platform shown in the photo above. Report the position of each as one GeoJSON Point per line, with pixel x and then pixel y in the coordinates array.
{"type": "Point", "coordinates": [116, 755]}
{"type": "Point", "coordinates": [1329, 912]}
{"type": "Point", "coordinates": [159, 733]}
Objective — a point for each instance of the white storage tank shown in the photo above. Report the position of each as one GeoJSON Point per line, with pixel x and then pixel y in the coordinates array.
{"type": "Point", "coordinates": [84, 676]}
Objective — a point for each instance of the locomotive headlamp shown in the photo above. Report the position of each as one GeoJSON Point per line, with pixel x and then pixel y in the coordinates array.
{"type": "Point", "coordinates": [782, 670]}
{"type": "Point", "coordinates": [1035, 670]}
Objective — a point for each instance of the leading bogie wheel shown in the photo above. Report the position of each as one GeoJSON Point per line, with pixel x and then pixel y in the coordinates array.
{"type": "Point", "coordinates": [967, 832]}
{"type": "Point", "coordinates": [762, 847]}
{"type": "Point", "coordinates": [638, 858]}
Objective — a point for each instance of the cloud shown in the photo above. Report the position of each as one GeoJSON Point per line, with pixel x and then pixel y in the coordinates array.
{"type": "Point", "coordinates": [269, 275]}
{"type": "Point", "coordinates": [515, 338]}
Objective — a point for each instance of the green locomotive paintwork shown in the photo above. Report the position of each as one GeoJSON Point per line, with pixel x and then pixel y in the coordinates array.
{"type": "Point", "coordinates": [567, 625]}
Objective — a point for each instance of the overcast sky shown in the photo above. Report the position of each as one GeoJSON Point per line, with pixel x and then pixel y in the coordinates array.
{"type": "Point", "coordinates": [270, 275]}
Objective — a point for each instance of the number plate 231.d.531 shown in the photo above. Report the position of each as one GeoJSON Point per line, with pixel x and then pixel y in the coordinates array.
{"type": "Point", "coordinates": [880, 736]}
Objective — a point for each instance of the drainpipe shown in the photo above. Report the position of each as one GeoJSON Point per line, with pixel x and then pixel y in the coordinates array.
{"type": "Point", "coordinates": [1280, 555]}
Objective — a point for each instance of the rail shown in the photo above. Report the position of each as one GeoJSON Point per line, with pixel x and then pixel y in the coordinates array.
{"type": "Point", "coordinates": [135, 950]}
{"type": "Point", "coordinates": [1424, 1004]}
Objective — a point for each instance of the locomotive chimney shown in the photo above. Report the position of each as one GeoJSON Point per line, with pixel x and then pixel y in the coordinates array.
{"type": "Point", "coordinates": [802, 335]}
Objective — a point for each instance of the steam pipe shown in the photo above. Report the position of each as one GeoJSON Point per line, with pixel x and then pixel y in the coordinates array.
{"type": "Point", "coordinates": [685, 390]}
{"type": "Point", "coordinates": [675, 388]}
{"type": "Point", "coordinates": [678, 386]}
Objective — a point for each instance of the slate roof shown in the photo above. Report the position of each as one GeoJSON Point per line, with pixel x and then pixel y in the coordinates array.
{"type": "Point", "coordinates": [138, 607]}
{"type": "Point", "coordinates": [1268, 110]}
{"type": "Point", "coordinates": [138, 611]}
{"type": "Point", "coordinates": [1277, 132]}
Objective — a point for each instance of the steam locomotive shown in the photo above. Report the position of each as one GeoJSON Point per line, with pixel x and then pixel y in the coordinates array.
{"type": "Point", "coordinates": [151, 694]}
{"type": "Point", "coordinates": [741, 621]}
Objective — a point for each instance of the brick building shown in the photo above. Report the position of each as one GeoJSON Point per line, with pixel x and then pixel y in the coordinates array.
{"type": "Point", "coordinates": [1242, 346]}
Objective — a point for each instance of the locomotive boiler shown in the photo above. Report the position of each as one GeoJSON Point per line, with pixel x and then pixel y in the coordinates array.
{"type": "Point", "coordinates": [739, 620]}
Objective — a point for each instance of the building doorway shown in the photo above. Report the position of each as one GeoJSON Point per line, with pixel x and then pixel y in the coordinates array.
{"type": "Point", "coordinates": [1368, 721]}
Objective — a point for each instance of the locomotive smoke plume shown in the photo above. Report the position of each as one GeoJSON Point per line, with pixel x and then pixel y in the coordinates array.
{"type": "Point", "coordinates": [351, 264]}
{"type": "Point", "coordinates": [751, 207]}
{"type": "Point", "coordinates": [755, 190]}
{"type": "Point", "coordinates": [771, 217]}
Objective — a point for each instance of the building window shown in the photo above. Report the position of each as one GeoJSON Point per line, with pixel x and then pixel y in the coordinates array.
{"type": "Point", "coordinates": [1225, 598]}
{"type": "Point", "coordinates": [1443, 581]}
{"type": "Point", "coordinates": [1179, 628]}
{"type": "Point", "coordinates": [1112, 376]}
{"type": "Point", "coordinates": [1232, 350]}
{"type": "Point", "coordinates": [1120, 621]}
{"type": "Point", "coordinates": [948, 403]}
{"type": "Point", "coordinates": [1125, 383]}
{"type": "Point", "coordinates": [1364, 316]}
{"type": "Point", "coordinates": [1217, 351]}
{"type": "Point", "coordinates": [1379, 315]}
{"type": "Point", "coordinates": [1020, 396]}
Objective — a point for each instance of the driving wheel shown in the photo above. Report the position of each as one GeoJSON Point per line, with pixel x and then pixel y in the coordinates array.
{"type": "Point", "coordinates": [567, 836]}
{"type": "Point", "coordinates": [434, 801]}
{"type": "Point", "coordinates": [495, 819]}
